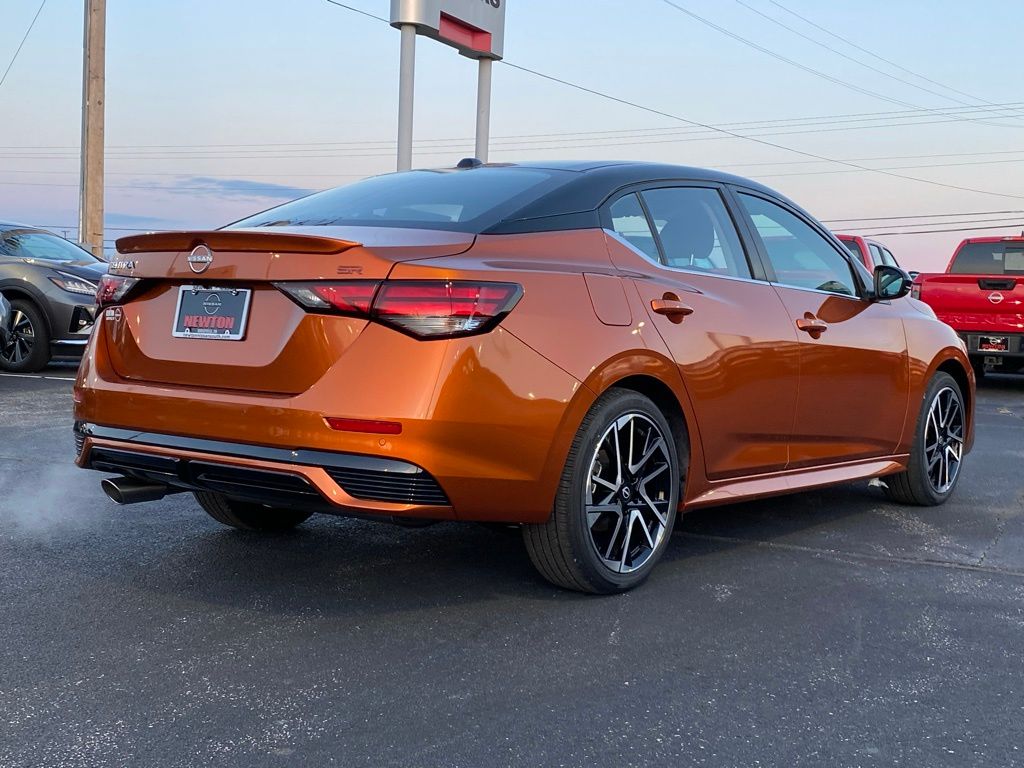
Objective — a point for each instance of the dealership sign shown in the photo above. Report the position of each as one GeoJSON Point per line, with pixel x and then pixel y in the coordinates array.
{"type": "Point", "coordinates": [475, 27]}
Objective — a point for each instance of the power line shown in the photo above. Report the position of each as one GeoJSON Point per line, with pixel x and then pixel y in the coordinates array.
{"type": "Point", "coordinates": [922, 216]}
{"type": "Point", "coordinates": [890, 62]}
{"type": "Point", "coordinates": [757, 140]}
{"type": "Point", "coordinates": [28, 31]}
{"type": "Point", "coordinates": [565, 135]}
{"type": "Point", "coordinates": [358, 10]}
{"type": "Point", "coordinates": [774, 54]}
{"type": "Point", "coordinates": [939, 231]}
{"type": "Point", "coordinates": [859, 62]}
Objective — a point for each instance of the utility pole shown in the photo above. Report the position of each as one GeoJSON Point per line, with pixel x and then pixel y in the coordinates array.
{"type": "Point", "coordinates": [90, 200]}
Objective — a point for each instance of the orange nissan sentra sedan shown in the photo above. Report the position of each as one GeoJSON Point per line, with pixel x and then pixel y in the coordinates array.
{"type": "Point", "coordinates": [584, 349]}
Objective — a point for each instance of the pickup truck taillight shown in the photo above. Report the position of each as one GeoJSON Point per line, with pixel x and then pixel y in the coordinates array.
{"type": "Point", "coordinates": [915, 291]}
{"type": "Point", "coordinates": [424, 309]}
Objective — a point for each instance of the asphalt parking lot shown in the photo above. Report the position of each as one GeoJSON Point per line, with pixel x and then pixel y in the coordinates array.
{"type": "Point", "coordinates": [826, 629]}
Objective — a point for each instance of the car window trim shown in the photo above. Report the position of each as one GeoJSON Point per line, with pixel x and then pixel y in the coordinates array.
{"type": "Point", "coordinates": [827, 236]}
{"type": "Point", "coordinates": [754, 267]}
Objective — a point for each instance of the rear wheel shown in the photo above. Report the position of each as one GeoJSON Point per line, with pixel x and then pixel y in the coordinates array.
{"type": "Point", "coordinates": [616, 503]}
{"type": "Point", "coordinates": [248, 516]}
{"type": "Point", "coordinates": [938, 450]}
{"type": "Point", "coordinates": [28, 347]}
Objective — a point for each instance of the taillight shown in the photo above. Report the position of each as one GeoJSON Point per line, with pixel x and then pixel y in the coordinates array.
{"type": "Point", "coordinates": [351, 297]}
{"type": "Point", "coordinates": [436, 309]}
{"type": "Point", "coordinates": [915, 291]}
{"type": "Point", "coordinates": [113, 289]}
{"type": "Point", "coordinates": [425, 309]}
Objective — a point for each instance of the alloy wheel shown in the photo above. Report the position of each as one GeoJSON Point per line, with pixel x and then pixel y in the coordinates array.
{"type": "Point", "coordinates": [944, 439]}
{"type": "Point", "coordinates": [627, 493]}
{"type": "Point", "coordinates": [22, 339]}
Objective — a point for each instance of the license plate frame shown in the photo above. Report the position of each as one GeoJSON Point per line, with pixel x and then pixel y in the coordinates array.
{"type": "Point", "coordinates": [231, 326]}
{"type": "Point", "coordinates": [993, 343]}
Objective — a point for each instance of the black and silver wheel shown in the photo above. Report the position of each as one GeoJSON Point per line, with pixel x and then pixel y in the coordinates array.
{"type": "Point", "coordinates": [617, 501]}
{"type": "Point", "coordinates": [248, 516]}
{"type": "Point", "coordinates": [938, 451]}
{"type": "Point", "coordinates": [28, 341]}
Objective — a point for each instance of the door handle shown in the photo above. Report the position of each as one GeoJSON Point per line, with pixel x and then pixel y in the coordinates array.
{"type": "Point", "coordinates": [812, 325]}
{"type": "Point", "coordinates": [671, 308]}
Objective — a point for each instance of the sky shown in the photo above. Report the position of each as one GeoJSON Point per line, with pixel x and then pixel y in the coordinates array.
{"type": "Point", "coordinates": [217, 109]}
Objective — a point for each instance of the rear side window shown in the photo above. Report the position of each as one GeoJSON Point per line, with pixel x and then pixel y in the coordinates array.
{"type": "Point", "coordinates": [989, 259]}
{"type": "Point", "coordinates": [696, 231]}
{"type": "Point", "coordinates": [463, 201]}
{"type": "Point", "coordinates": [630, 222]}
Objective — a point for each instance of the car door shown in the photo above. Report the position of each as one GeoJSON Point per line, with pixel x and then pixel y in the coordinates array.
{"type": "Point", "coordinates": [853, 363]}
{"type": "Point", "coordinates": [728, 332]}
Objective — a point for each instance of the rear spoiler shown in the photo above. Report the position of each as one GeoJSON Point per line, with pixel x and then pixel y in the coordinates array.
{"type": "Point", "coordinates": [233, 240]}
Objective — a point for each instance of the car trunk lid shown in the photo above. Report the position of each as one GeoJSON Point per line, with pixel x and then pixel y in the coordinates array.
{"type": "Point", "coordinates": [226, 276]}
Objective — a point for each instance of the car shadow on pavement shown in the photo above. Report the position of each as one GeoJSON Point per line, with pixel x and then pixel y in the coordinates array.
{"type": "Point", "coordinates": [347, 567]}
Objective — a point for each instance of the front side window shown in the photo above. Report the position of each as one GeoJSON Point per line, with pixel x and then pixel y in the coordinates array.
{"type": "Point", "coordinates": [696, 231]}
{"type": "Point", "coordinates": [888, 258]}
{"type": "Point", "coordinates": [800, 256]}
{"type": "Point", "coordinates": [630, 222]}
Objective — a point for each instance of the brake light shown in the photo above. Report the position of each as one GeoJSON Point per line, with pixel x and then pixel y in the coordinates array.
{"type": "Point", "coordinates": [436, 309]}
{"type": "Point", "coordinates": [425, 309]}
{"type": "Point", "coordinates": [915, 291]}
{"type": "Point", "coordinates": [113, 289]}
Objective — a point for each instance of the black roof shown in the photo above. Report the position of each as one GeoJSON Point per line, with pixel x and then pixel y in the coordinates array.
{"type": "Point", "coordinates": [578, 199]}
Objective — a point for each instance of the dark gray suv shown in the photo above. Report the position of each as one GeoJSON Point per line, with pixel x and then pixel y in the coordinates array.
{"type": "Point", "coordinates": [50, 284]}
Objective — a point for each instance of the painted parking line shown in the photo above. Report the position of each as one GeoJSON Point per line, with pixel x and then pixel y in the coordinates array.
{"type": "Point", "coordinates": [36, 376]}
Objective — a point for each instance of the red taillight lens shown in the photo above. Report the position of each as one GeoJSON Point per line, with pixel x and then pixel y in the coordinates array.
{"type": "Point", "coordinates": [350, 297]}
{"type": "Point", "coordinates": [443, 309]}
{"type": "Point", "coordinates": [363, 425]}
{"type": "Point", "coordinates": [426, 309]}
{"type": "Point", "coordinates": [915, 291]}
{"type": "Point", "coordinates": [113, 289]}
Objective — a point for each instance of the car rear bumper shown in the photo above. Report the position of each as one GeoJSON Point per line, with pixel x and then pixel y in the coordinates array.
{"type": "Point", "coordinates": [313, 480]}
{"type": "Point", "coordinates": [976, 346]}
{"type": "Point", "coordinates": [486, 424]}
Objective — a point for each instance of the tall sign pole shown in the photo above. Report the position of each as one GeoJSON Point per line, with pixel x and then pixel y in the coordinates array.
{"type": "Point", "coordinates": [483, 109]}
{"type": "Point", "coordinates": [476, 28]}
{"type": "Point", "coordinates": [406, 96]}
{"type": "Point", "coordinates": [90, 201]}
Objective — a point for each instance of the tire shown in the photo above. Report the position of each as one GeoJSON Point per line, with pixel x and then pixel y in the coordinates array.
{"type": "Point", "coordinates": [248, 516]}
{"type": "Point", "coordinates": [565, 549]}
{"type": "Point", "coordinates": [939, 437]}
{"type": "Point", "coordinates": [28, 349]}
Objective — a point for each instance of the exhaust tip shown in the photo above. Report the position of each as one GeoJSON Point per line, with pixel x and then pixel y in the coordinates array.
{"type": "Point", "coordinates": [125, 490]}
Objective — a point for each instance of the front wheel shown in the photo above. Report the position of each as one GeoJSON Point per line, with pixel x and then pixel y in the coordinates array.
{"type": "Point", "coordinates": [935, 458]}
{"type": "Point", "coordinates": [248, 516]}
{"type": "Point", "coordinates": [616, 502]}
{"type": "Point", "coordinates": [28, 344]}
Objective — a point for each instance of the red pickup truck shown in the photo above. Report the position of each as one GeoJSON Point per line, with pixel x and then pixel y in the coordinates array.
{"type": "Point", "coordinates": [981, 295]}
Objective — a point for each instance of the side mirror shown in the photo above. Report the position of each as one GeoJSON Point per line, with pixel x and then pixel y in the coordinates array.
{"type": "Point", "coordinates": [891, 283]}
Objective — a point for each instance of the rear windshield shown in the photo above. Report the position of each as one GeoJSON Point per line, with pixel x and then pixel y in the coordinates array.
{"type": "Point", "coordinates": [462, 201]}
{"type": "Point", "coordinates": [989, 259]}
